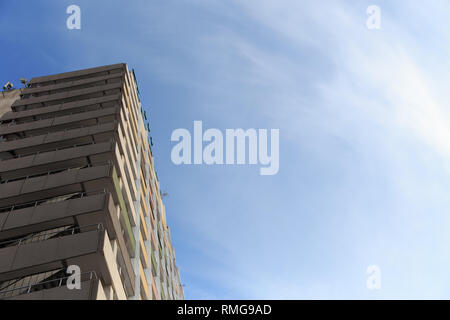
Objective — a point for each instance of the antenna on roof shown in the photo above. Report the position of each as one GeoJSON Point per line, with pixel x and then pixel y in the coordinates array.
{"type": "Point", "coordinates": [24, 81]}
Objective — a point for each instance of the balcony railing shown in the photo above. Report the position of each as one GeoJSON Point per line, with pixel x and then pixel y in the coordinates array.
{"type": "Point", "coordinates": [76, 195]}
{"type": "Point", "coordinates": [63, 130]}
{"type": "Point", "coordinates": [43, 236]}
{"type": "Point", "coordinates": [13, 122]}
{"type": "Point", "coordinates": [56, 171]}
{"type": "Point", "coordinates": [49, 284]}
{"type": "Point", "coordinates": [52, 150]}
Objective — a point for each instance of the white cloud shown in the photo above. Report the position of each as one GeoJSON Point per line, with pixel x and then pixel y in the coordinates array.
{"type": "Point", "coordinates": [367, 107]}
{"type": "Point", "coordinates": [379, 96]}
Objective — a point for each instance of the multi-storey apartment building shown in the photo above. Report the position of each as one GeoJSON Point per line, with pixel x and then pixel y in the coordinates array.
{"type": "Point", "coordinates": [78, 188]}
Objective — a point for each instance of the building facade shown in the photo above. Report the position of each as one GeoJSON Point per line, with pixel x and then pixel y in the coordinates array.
{"type": "Point", "coordinates": [79, 192]}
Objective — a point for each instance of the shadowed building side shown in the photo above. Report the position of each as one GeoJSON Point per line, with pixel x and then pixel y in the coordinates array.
{"type": "Point", "coordinates": [7, 98]}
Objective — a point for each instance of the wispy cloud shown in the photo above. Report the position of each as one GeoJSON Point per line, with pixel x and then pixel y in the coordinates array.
{"type": "Point", "coordinates": [320, 74]}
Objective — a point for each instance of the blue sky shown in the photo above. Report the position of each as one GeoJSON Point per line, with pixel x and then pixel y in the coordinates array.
{"type": "Point", "coordinates": [364, 134]}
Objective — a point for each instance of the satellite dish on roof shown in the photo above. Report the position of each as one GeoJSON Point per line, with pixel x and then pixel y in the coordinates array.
{"type": "Point", "coordinates": [8, 86]}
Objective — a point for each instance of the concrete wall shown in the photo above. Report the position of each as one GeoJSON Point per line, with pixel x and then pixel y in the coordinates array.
{"type": "Point", "coordinates": [7, 98]}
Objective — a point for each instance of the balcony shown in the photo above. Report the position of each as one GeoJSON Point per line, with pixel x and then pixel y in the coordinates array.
{"type": "Point", "coordinates": [65, 97]}
{"type": "Point", "coordinates": [90, 179]}
{"type": "Point", "coordinates": [43, 250]}
{"type": "Point", "coordinates": [56, 110]}
{"type": "Point", "coordinates": [73, 156]}
{"type": "Point", "coordinates": [81, 208]}
{"type": "Point", "coordinates": [76, 75]}
{"type": "Point", "coordinates": [53, 185]}
{"type": "Point", "coordinates": [56, 289]}
{"type": "Point", "coordinates": [39, 127]}
{"type": "Point", "coordinates": [73, 85]}
{"type": "Point", "coordinates": [50, 213]}
{"type": "Point", "coordinates": [87, 247]}
{"type": "Point", "coordinates": [54, 140]}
